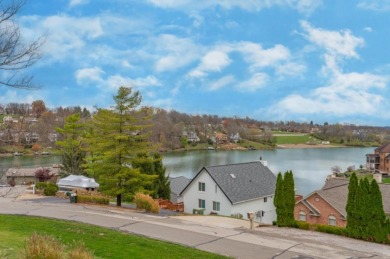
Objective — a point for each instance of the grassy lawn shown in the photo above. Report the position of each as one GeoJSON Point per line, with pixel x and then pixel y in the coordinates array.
{"type": "Point", "coordinates": [385, 180]}
{"type": "Point", "coordinates": [105, 243]}
{"type": "Point", "coordinates": [280, 140]}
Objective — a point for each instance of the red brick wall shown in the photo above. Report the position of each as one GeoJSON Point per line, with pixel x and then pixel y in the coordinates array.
{"type": "Point", "coordinates": [323, 208]}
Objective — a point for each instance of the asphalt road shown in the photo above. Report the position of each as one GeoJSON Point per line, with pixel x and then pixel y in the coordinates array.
{"type": "Point", "coordinates": [214, 234]}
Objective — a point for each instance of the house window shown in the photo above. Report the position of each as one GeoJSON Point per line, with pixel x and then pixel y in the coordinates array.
{"type": "Point", "coordinates": [265, 199]}
{"type": "Point", "coordinates": [332, 220]}
{"type": "Point", "coordinates": [216, 206]}
{"type": "Point", "coordinates": [201, 204]}
{"type": "Point", "coordinates": [302, 216]}
{"type": "Point", "coordinates": [202, 186]}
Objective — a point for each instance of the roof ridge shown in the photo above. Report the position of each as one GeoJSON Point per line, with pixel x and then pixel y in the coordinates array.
{"type": "Point", "coordinates": [256, 161]}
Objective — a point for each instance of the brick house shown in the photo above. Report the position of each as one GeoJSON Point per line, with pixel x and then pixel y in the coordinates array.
{"type": "Point", "coordinates": [327, 205]}
{"type": "Point", "coordinates": [380, 160]}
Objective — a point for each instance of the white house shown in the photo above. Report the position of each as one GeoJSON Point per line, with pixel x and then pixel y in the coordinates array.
{"type": "Point", "coordinates": [233, 189]}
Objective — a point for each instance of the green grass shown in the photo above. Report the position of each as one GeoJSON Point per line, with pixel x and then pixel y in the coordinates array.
{"type": "Point", "coordinates": [105, 243]}
{"type": "Point", "coordinates": [280, 140]}
{"type": "Point", "coordinates": [385, 180]}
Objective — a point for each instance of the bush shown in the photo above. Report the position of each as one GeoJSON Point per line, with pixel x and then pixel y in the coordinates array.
{"type": "Point", "coordinates": [80, 252]}
{"type": "Point", "coordinates": [144, 201]}
{"type": "Point", "coordinates": [84, 196]}
{"type": "Point", "coordinates": [331, 230]}
{"type": "Point", "coordinates": [40, 185]}
{"type": "Point", "coordinates": [42, 246]}
{"type": "Point", "coordinates": [50, 189]}
{"type": "Point", "coordinates": [237, 216]}
{"type": "Point", "coordinates": [302, 225]}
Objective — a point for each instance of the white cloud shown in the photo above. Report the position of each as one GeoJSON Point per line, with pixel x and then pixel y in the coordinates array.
{"type": "Point", "coordinates": [344, 94]}
{"type": "Point", "coordinates": [375, 5]}
{"type": "Point", "coordinates": [367, 29]}
{"type": "Point", "coordinates": [73, 3]}
{"type": "Point", "coordinates": [213, 61]}
{"type": "Point", "coordinates": [304, 6]}
{"type": "Point", "coordinates": [174, 52]}
{"type": "Point", "coordinates": [89, 75]}
{"type": "Point", "coordinates": [259, 57]}
{"type": "Point", "coordinates": [340, 43]}
{"type": "Point", "coordinates": [221, 82]}
{"type": "Point", "coordinates": [290, 69]}
{"type": "Point", "coordinates": [257, 81]}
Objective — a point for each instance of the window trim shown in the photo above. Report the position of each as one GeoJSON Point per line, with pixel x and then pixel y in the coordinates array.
{"type": "Point", "coordinates": [302, 213]}
{"type": "Point", "coordinates": [201, 186]}
{"type": "Point", "coordinates": [216, 206]}
{"type": "Point", "coordinates": [332, 218]}
{"type": "Point", "coordinates": [201, 204]}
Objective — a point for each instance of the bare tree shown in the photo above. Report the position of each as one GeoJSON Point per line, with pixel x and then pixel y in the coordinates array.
{"type": "Point", "coordinates": [15, 55]}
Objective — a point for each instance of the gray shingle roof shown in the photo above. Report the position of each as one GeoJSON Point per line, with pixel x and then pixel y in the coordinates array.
{"type": "Point", "coordinates": [178, 184]}
{"type": "Point", "coordinates": [244, 181]}
{"type": "Point", "coordinates": [18, 172]}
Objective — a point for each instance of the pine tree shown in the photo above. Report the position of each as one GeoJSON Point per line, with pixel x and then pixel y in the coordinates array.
{"type": "Point", "coordinates": [115, 137]}
{"type": "Point", "coordinates": [162, 183]}
{"type": "Point", "coordinates": [71, 147]}
{"type": "Point", "coordinates": [351, 206]}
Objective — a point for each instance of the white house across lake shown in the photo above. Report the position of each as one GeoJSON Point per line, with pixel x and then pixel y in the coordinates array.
{"type": "Point", "coordinates": [232, 190]}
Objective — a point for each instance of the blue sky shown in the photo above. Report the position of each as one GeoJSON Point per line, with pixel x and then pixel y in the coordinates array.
{"type": "Point", "coordinates": [303, 60]}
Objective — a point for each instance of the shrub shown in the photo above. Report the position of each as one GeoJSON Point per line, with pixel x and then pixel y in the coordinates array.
{"type": "Point", "coordinates": [84, 196]}
{"type": "Point", "coordinates": [80, 252]}
{"type": "Point", "coordinates": [40, 185]}
{"type": "Point", "coordinates": [144, 201]}
{"type": "Point", "coordinates": [331, 230]}
{"type": "Point", "coordinates": [302, 225]}
{"type": "Point", "coordinates": [50, 189]}
{"type": "Point", "coordinates": [42, 246]}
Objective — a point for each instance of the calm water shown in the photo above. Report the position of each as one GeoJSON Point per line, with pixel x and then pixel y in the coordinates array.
{"type": "Point", "coordinates": [310, 166]}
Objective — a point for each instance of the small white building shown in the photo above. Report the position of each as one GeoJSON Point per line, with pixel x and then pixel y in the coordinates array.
{"type": "Point", "coordinates": [233, 189]}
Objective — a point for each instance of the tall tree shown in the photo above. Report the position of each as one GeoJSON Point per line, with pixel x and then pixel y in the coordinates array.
{"type": "Point", "coordinates": [161, 184]}
{"type": "Point", "coordinates": [38, 107]}
{"type": "Point", "coordinates": [289, 195]}
{"type": "Point", "coordinates": [117, 135]}
{"type": "Point", "coordinates": [352, 206]}
{"type": "Point", "coordinates": [378, 225]}
{"type": "Point", "coordinates": [279, 200]}
{"type": "Point", "coordinates": [15, 55]}
{"type": "Point", "coordinates": [71, 146]}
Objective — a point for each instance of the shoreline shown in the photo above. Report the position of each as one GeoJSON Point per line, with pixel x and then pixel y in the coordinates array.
{"type": "Point", "coordinates": [307, 146]}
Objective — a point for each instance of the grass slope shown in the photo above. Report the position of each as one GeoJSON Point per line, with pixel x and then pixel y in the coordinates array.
{"type": "Point", "coordinates": [105, 243]}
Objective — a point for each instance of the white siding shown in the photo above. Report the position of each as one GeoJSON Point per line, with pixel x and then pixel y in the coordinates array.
{"type": "Point", "coordinates": [257, 205]}
{"type": "Point", "coordinates": [191, 196]}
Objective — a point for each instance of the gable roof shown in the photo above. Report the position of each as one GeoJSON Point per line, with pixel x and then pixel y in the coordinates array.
{"type": "Point", "coordinates": [335, 192]}
{"type": "Point", "coordinates": [178, 184]}
{"type": "Point", "coordinates": [384, 148]}
{"type": "Point", "coordinates": [242, 182]}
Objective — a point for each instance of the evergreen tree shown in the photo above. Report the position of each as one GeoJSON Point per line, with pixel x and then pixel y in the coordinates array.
{"type": "Point", "coordinates": [278, 200]}
{"type": "Point", "coordinates": [351, 206]}
{"type": "Point", "coordinates": [289, 194]}
{"type": "Point", "coordinates": [71, 147]}
{"type": "Point", "coordinates": [116, 136]}
{"type": "Point", "coordinates": [162, 183]}
{"type": "Point", "coordinates": [378, 225]}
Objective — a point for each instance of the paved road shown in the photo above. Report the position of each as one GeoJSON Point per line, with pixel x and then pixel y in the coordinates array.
{"type": "Point", "coordinates": [215, 234]}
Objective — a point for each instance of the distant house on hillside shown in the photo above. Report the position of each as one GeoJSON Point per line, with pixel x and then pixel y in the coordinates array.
{"type": "Point", "coordinates": [327, 205]}
{"type": "Point", "coordinates": [232, 190]}
{"type": "Point", "coordinates": [27, 175]}
{"type": "Point", "coordinates": [380, 160]}
{"type": "Point", "coordinates": [177, 185]}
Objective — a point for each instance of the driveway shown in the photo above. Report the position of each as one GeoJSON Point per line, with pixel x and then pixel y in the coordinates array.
{"type": "Point", "coordinates": [221, 235]}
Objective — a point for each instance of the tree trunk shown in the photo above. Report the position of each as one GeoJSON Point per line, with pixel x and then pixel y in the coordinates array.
{"type": "Point", "coordinates": [119, 200]}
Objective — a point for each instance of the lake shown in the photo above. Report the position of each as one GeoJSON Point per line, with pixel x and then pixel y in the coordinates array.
{"type": "Point", "coordinates": [310, 166]}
